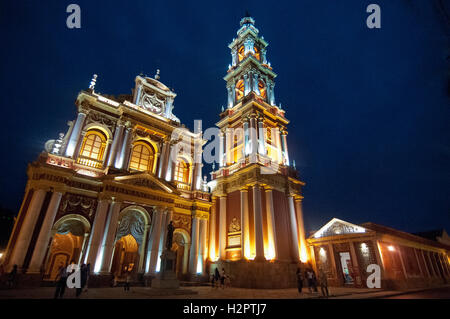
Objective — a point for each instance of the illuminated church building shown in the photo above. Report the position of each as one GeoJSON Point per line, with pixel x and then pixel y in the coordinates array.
{"type": "Point", "coordinates": [104, 193]}
{"type": "Point", "coordinates": [256, 218]}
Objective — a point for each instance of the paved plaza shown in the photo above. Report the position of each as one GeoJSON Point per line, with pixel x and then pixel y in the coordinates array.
{"type": "Point", "coordinates": [199, 293]}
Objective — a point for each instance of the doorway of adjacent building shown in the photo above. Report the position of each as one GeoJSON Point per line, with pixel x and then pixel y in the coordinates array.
{"type": "Point", "coordinates": [346, 266]}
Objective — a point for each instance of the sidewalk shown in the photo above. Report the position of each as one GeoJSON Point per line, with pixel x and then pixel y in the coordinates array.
{"type": "Point", "coordinates": [202, 292]}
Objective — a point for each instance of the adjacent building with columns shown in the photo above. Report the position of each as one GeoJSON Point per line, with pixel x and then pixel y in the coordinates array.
{"type": "Point", "coordinates": [256, 224]}
{"type": "Point", "coordinates": [104, 192]}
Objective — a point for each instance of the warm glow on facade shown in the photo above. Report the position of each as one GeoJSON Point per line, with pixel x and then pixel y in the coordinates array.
{"type": "Point", "coordinates": [142, 157]}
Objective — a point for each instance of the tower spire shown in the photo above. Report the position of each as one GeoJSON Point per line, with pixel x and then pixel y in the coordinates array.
{"type": "Point", "coordinates": [249, 70]}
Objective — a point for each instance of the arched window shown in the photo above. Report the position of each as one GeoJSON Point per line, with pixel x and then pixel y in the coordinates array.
{"type": "Point", "coordinates": [92, 149]}
{"type": "Point", "coordinates": [262, 89]}
{"type": "Point", "coordinates": [182, 171]}
{"type": "Point", "coordinates": [241, 53]}
{"type": "Point", "coordinates": [142, 157]}
{"type": "Point", "coordinates": [239, 90]}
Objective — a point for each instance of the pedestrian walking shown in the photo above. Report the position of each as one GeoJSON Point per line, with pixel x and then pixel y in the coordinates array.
{"type": "Point", "coordinates": [311, 278]}
{"type": "Point", "coordinates": [126, 287]}
{"type": "Point", "coordinates": [216, 278]}
{"type": "Point", "coordinates": [222, 278]}
{"type": "Point", "coordinates": [299, 280]}
{"type": "Point", "coordinates": [323, 283]}
{"type": "Point", "coordinates": [61, 281]}
{"type": "Point", "coordinates": [12, 276]}
{"type": "Point", "coordinates": [83, 279]}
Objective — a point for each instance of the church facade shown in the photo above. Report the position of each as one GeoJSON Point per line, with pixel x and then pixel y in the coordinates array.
{"type": "Point", "coordinates": [104, 192]}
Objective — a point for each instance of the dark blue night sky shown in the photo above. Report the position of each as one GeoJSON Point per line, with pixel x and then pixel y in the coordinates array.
{"type": "Point", "coordinates": [369, 109]}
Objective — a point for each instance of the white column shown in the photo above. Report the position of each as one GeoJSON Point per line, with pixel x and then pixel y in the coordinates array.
{"type": "Point", "coordinates": [293, 223]}
{"type": "Point", "coordinates": [285, 148]}
{"type": "Point", "coordinates": [109, 239]}
{"type": "Point", "coordinates": [142, 249]}
{"type": "Point", "coordinates": [155, 239]}
{"type": "Point", "coordinates": [117, 136]}
{"type": "Point", "coordinates": [201, 245]}
{"type": "Point", "coordinates": [258, 223]}
{"type": "Point", "coordinates": [162, 160]}
{"type": "Point", "coordinates": [271, 230]}
{"type": "Point", "coordinates": [223, 227]}
{"type": "Point", "coordinates": [253, 140]}
{"type": "Point", "coordinates": [262, 144]}
{"type": "Point", "coordinates": [246, 144]}
{"type": "Point", "coordinates": [230, 97]}
{"type": "Point", "coordinates": [138, 94]}
{"type": "Point", "coordinates": [228, 147]}
{"type": "Point", "coordinates": [301, 230]}
{"type": "Point", "coordinates": [221, 164]}
{"type": "Point", "coordinates": [162, 238]}
{"type": "Point", "coordinates": [25, 232]}
{"type": "Point", "coordinates": [204, 239]}
{"type": "Point", "coordinates": [245, 224]}
{"type": "Point", "coordinates": [193, 257]}
{"type": "Point", "coordinates": [212, 231]}
{"type": "Point", "coordinates": [97, 232]}
{"type": "Point", "coordinates": [120, 160]}
{"type": "Point", "coordinates": [44, 234]}
{"type": "Point", "coordinates": [170, 164]}
{"type": "Point", "coordinates": [75, 136]}
{"type": "Point", "coordinates": [246, 85]}
{"type": "Point", "coordinates": [278, 141]}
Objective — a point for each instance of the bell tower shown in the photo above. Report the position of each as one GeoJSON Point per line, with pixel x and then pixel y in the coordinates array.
{"type": "Point", "coordinates": [256, 218]}
{"type": "Point", "coordinates": [249, 70]}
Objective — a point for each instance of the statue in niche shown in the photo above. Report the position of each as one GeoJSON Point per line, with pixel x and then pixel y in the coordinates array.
{"type": "Point", "coordinates": [169, 238]}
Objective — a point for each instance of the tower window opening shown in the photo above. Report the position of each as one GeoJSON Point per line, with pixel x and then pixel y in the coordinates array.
{"type": "Point", "coordinates": [262, 89]}
{"type": "Point", "coordinates": [241, 53]}
{"type": "Point", "coordinates": [256, 54]}
{"type": "Point", "coordinates": [239, 90]}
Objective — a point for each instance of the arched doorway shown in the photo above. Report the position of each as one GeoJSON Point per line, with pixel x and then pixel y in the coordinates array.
{"type": "Point", "coordinates": [69, 239]}
{"type": "Point", "coordinates": [180, 245]}
{"type": "Point", "coordinates": [129, 249]}
{"type": "Point", "coordinates": [126, 257]}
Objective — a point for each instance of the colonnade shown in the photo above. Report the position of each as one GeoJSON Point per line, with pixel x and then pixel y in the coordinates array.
{"type": "Point", "coordinates": [263, 245]}
{"type": "Point", "coordinates": [98, 244]}
{"type": "Point", "coordinates": [254, 142]}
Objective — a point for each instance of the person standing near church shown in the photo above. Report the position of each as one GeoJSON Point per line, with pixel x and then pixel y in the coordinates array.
{"type": "Point", "coordinates": [299, 280]}
{"type": "Point", "coordinates": [126, 287]}
{"type": "Point", "coordinates": [61, 281]}
{"type": "Point", "coordinates": [222, 278]}
{"type": "Point", "coordinates": [323, 283]}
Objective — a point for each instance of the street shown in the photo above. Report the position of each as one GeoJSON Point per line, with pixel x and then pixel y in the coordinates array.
{"type": "Point", "coordinates": [437, 293]}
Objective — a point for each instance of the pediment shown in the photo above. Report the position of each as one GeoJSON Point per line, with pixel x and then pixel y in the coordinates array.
{"type": "Point", "coordinates": [146, 180]}
{"type": "Point", "coordinates": [336, 227]}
